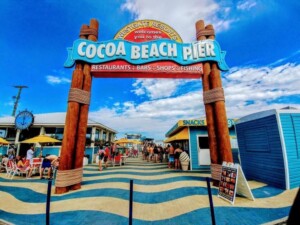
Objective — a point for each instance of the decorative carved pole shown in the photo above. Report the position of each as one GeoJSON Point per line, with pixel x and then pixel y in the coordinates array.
{"type": "Point", "coordinates": [69, 174]}
{"type": "Point", "coordinates": [221, 122]}
{"type": "Point", "coordinates": [214, 100]}
{"type": "Point", "coordinates": [92, 33]}
{"type": "Point", "coordinates": [201, 34]}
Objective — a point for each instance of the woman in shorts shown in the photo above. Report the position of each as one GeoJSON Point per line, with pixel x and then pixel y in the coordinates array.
{"type": "Point", "coordinates": [101, 154]}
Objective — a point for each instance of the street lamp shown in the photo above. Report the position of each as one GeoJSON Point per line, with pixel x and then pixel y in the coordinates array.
{"type": "Point", "coordinates": [20, 87]}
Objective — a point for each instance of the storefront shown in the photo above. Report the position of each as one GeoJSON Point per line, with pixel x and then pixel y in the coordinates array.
{"type": "Point", "coordinates": [192, 136]}
{"type": "Point", "coordinates": [51, 124]}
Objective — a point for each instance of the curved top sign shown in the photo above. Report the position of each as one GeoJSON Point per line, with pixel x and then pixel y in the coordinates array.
{"type": "Point", "coordinates": [147, 30]}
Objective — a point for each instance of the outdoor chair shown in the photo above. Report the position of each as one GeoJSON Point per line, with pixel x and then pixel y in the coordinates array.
{"type": "Point", "coordinates": [9, 168]}
{"type": "Point", "coordinates": [36, 164]}
{"type": "Point", "coordinates": [2, 167]}
{"type": "Point", "coordinates": [15, 170]}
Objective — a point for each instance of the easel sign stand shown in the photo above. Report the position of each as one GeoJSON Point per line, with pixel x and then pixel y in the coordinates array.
{"type": "Point", "coordinates": [232, 182]}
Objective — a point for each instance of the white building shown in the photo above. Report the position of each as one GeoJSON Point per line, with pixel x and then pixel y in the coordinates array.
{"type": "Point", "coordinates": [51, 124]}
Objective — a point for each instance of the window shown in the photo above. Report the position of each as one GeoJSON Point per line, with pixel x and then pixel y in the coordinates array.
{"type": "Point", "coordinates": [50, 131]}
{"type": "Point", "coordinates": [59, 133]}
{"type": "Point", "coordinates": [97, 135]}
{"type": "Point", "coordinates": [203, 142]}
{"type": "Point", "coordinates": [3, 132]}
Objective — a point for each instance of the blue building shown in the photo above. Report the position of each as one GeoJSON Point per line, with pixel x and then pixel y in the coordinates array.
{"type": "Point", "coordinates": [269, 145]}
{"type": "Point", "coordinates": [192, 136]}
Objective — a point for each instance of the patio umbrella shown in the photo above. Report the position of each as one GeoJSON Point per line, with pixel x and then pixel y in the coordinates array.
{"type": "Point", "coordinates": [41, 139]}
{"type": "Point", "coordinates": [123, 141]}
{"type": "Point", "coordinates": [136, 142]}
{"type": "Point", "coordinates": [3, 141]}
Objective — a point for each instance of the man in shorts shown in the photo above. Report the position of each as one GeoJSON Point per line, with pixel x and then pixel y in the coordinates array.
{"type": "Point", "coordinates": [171, 156]}
{"type": "Point", "coordinates": [47, 163]}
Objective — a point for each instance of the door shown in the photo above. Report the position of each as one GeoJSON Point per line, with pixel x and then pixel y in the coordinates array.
{"type": "Point", "coordinates": [203, 151]}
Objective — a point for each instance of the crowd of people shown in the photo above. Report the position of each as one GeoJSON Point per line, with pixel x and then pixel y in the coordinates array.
{"type": "Point", "coordinates": [156, 153]}
{"type": "Point", "coordinates": [112, 154]}
{"type": "Point", "coordinates": [25, 164]}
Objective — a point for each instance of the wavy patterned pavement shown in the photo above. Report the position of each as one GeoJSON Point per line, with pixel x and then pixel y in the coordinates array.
{"type": "Point", "coordinates": [161, 196]}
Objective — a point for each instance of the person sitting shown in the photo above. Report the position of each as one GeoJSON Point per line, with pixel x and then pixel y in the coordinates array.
{"type": "Point", "coordinates": [20, 163]}
{"type": "Point", "coordinates": [23, 165]}
{"type": "Point", "coordinates": [4, 162]}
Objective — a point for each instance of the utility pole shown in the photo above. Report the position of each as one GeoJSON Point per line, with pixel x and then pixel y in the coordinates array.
{"type": "Point", "coordinates": [20, 87]}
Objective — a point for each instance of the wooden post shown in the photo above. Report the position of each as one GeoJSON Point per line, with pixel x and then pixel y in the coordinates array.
{"type": "Point", "coordinates": [223, 138]}
{"type": "Point", "coordinates": [221, 123]}
{"type": "Point", "coordinates": [73, 145]}
{"type": "Point", "coordinates": [208, 107]}
{"type": "Point", "coordinates": [70, 130]}
{"type": "Point", "coordinates": [84, 110]}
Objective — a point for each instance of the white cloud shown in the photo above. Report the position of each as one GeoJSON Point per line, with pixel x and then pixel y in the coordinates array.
{"type": "Point", "coordinates": [246, 5]}
{"type": "Point", "coordinates": [263, 87]}
{"type": "Point", "coordinates": [181, 15]}
{"type": "Point", "coordinates": [157, 88]}
{"type": "Point", "coordinates": [57, 80]}
{"type": "Point", "coordinates": [247, 90]}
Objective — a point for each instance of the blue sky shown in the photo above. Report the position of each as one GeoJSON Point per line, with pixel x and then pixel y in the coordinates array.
{"type": "Point", "coordinates": [261, 39]}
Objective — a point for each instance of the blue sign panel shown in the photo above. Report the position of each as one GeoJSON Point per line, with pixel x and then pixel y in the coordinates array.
{"type": "Point", "coordinates": [146, 52]}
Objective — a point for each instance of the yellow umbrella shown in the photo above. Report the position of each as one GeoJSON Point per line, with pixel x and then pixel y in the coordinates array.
{"type": "Point", "coordinates": [41, 139]}
{"type": "Point", "coordinates": [136, 142]}
{"type": "Point", "coordinates": [123, 141]}
{"type": "Point", "coordinates": [3, 141]}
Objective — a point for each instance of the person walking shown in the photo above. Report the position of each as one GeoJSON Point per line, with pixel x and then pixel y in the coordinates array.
{"type": "Point", "coordinates": [106, 155]}
{"type": "Point", "coordinates": [29, 159]}
{"type": "Point", "coordinates": [101, 154]}
{"type": "Point", "coordinates": [171, 156]}
{"type": "Point", "coordinates": [177, 153]}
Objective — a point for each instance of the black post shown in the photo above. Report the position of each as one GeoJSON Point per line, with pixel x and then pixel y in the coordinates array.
{"type": "Point", "coordinates": [130, 202]}
{"type": "Point", "coordinates": [211, 204]}
{"type": "Point", "coordinates": [294, 211]}
{"type": "Point", "coordinates": [48, 202]}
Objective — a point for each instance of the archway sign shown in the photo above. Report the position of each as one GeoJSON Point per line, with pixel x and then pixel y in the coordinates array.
{"type": "Point", "coordinates": [142, 49]}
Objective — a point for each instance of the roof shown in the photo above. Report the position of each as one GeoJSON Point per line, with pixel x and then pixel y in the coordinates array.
{"type": "Point", "coordinates": [262, 114]}
{"type": "Point", "coordinates": [181, 135]}
{"type": "Point", "coordinates": [51, 119]}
